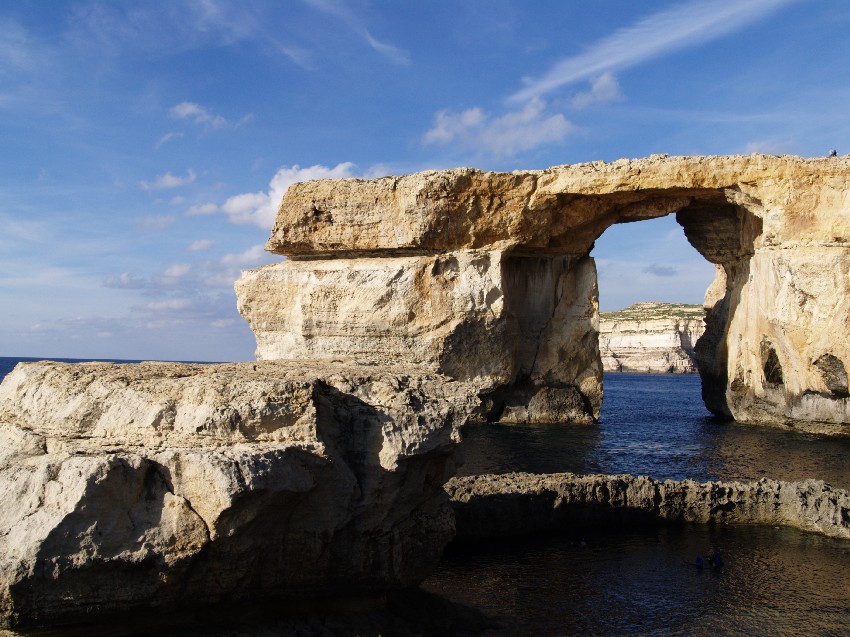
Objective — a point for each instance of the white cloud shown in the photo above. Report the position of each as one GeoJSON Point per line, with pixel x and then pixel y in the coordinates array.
{"type": "Point", "coordinates": [170, 304]}
{"type": "Point", "coordinates": [260, 208]}
{"type": "Point", "coordinates": [603, 89]}
{"type": "Point", "coordinates": [17, 51]}
{"type": "Point", "coordinates": [499, 136]}
{"type": "Point", "coordinates": [200, 245]}
{"type": "Point", "coordinates": [247, 259]}
{"type": "Point", "coordinates": [248, 207]}
{"type": "Point", "coordinates": [769, 147]}
{"type": "Point", "coordinates": [169, 181]}
{"type": "Point", "coordinates": [167, 138]}
{"type": "Point", "coordinates": [160, 222]}
{"type": "Point", "coordinates": [125, 280]}
{"type": "Point", "coordinates": [177, 271]}
{"type": "Point", "coordinates": [198, 114]}
{"type": "Point", "coordinates": [678, 27]}
{"type": "Point", "coordinates": [355, 23]}
{"type": "Point", "coordinates": [202, 209]}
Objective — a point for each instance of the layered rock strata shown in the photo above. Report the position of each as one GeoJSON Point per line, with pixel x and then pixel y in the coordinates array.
{"type": "Point", "coordinates": [525, 327]}
{"type": "Point", "coordinates": [777, 229]}
{"type": "Point", "coordinates": [495, 506]}
{"type": "Point", "coordinates": [656, 338]}
{"type": "Point", "coordinates": [132, 486]}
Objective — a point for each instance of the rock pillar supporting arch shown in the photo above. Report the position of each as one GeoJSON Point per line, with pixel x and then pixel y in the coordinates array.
{"type": "Point", "coordinates": [486, 277]}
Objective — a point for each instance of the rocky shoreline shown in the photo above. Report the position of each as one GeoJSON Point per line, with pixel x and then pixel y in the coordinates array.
{"type": "Point", "coordinates": [501, 505]}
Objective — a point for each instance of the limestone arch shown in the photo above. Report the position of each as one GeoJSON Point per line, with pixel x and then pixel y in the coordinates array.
{"type": "Point", "coordinates": [776, 228]}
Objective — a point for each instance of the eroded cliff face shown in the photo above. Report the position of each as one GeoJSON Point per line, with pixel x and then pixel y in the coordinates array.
{"type": "Point", "coordinates": [508, 322]}
{"type": "Point", "coordinates": [656, 338]}
{"type": "Point", "coordinates": [777, 229]}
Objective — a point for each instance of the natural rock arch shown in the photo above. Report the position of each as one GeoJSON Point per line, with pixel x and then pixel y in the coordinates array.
{"type": "Point", "coordinates": [486, 277]}
{"type": "Point", "coordinates": [436, 296]}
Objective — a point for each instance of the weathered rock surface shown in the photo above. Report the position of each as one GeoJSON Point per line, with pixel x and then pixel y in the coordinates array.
{"type": "Point", "coordinates": [651, 337]}
{"type": "Point", "coordinates": [490, 506]}
{"type": "Point", "coordinates": [777, 334]}
{"type": "Point", "coordinates": [561, 210]}
{"type": "Point", "coordinates": [159, 484]}
{"type": "Point", "coordinates": [519, 325]}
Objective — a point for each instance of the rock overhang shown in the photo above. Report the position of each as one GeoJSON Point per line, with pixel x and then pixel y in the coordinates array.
{"type": "Point", "coordinates": [558, 210]}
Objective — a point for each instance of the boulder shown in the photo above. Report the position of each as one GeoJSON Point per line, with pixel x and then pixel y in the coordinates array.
{"type": "Point", "coordinates": [164, 485]}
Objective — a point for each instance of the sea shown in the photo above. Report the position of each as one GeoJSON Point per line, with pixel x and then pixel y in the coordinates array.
{"type": "Point", "coordinates": [635, 581]}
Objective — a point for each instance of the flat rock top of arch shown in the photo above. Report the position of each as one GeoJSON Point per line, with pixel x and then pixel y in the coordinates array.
{"type": "Point", "coordinates": [557, 210]}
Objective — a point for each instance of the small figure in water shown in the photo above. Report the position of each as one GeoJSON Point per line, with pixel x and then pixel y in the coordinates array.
{"type": "Point", "coordinates": [714, 558]}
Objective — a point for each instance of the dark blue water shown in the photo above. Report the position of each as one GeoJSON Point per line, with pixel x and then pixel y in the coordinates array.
{"type": "Point", "coordinates": [644, 582]}
{"type": "Point", "coordinates": [657, 425]}
{"type": "Point", "coordinates": [775, 581]}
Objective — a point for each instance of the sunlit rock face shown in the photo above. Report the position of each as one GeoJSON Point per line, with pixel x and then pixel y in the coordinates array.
{"type": "Point", "coordinates": [656, 338]}
{"type": "Point", "coordinates": [170, 485]}
{"type": "Point", "coordinates": [777, 229]}
{"type": "Point", "coordinates": [510, 323]}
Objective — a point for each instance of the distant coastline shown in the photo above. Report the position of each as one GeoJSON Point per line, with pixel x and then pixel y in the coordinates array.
{"type": "Point", "coordinates": [651, 338]}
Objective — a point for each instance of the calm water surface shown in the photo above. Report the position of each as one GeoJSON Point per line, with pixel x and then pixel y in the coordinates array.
{"type": "Point", "coordinates": [657, 425]}
{"type": "Point", "coordinates": [645, 582]}
{"type": "Point", "coordinates": [773, 582]}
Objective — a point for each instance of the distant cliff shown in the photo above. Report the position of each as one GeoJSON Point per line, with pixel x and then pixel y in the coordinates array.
{"type": "Point", "coordinates": [651, 337]}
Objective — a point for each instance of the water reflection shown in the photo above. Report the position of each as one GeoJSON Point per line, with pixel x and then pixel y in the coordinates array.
{"type": "Point", "coordinates": [774, 582]}
{"type": "Point", "coordinates": [657, 425]}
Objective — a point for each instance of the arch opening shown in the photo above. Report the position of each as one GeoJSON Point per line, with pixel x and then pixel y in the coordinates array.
{"type": "Point", "coordinates": [723, 229]}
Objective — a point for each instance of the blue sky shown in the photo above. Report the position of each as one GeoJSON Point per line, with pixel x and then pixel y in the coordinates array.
{"type": "Point", "coordinates": [146, 145]}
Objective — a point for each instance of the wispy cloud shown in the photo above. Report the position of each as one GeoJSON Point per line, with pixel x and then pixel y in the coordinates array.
{"type": "Point", "coordinates": [200, 245]}
{"type": "Point", "coordinates": [157, 222]}
{"type": "Point", "coordinates": [603, 89]}
{"type": "Point", "coordinates": [502, 136]}
{"type": "Point", "coordinates": [197, 113]}
{"type": "Point", "coordinates": [770, 146]}
{"type": "Point", "coordinates": [167, 138]}
{"type": "Point", "coordinates": [202, 116]}
{"type": "Point", "coordinates": [17, 52]}
{"type": "Point", "coordinates": [660, 270]}
{"type": "Point", "coordinates": [162, 182]}
{"type": "Point", "coordinates": [167, 28]}
{"type": "Point", "coordinates": [678, 27]}
{"type": "Point", "coordinates": [340, 10]}
{"type": "Point", "coordinates": [205, 277]}
{"type": "Point", "coordinates": [202, 209]}
{"type": "Point", "coordinates": [260, 208]}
